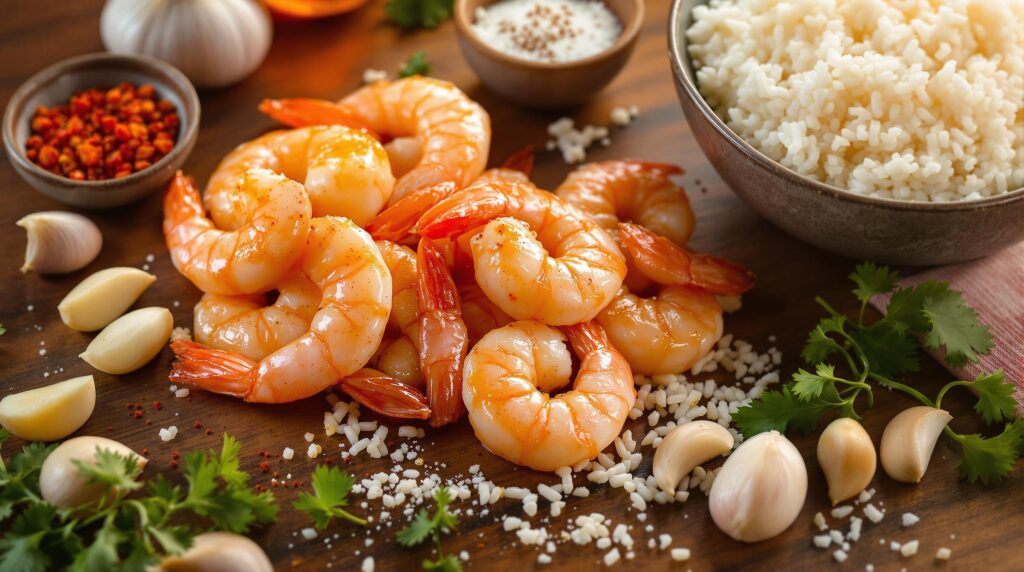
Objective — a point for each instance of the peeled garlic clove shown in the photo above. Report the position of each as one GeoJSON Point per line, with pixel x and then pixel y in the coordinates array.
{"type": "Point", "coordinates": [50, 412]}
{"type": "Point", "coordinates": [130, 341]}
{"type": "Point", "coordinates": [219, 552]}
{"type": "Point", "coordinates": [59, 480]}
{"type": "Point", "coordinates": [760, 489]}
{"type": "Point", "coordinates": [685, 447]}
{"type": "Point", "coordinates": [908, 442]}
{"type": "Point", "coordinates": [847, 457]}
{"type": "Point", "coordinates": [102, 297]}
{"type": "Point", "coordinates": [59, 242]}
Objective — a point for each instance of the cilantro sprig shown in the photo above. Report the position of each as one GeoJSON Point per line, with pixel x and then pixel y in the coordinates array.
{"type": "Point", "coordinates": [419, 13]}
{"type": "Point", "coordinates": [417, 64]}
{"type": "Point", "coordinates": [330, 493]}
{"type": "Point", "coordinates": [849, 357]}
{"type": "Point", "coordinates": [123, 530]}
{"type": "Point", "coordinates": [433, 526]}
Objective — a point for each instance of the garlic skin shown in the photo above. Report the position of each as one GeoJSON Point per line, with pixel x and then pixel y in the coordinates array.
{"type": "Point", "coordinates": [847, 457]}
{"type": "Point", "coordinates": [219, 552]}
{"type": "Point", "coordinates": [215, 44]}
{"type": "Point", "coordinates": [908, 442]}
{"type": "Point", "coordinates": [59, 481]}
{"type": "Point", "coordinates": [59, 242]}
{"type": "Point", "coordinates": [103, 297]}
{"type": "Point", "coordinates": [685, 447]}
{"type": "Point", "coordinates": [50, 412]}
{"type": "Point", "coordinates": [130, 341]}
{"type": "Point", "coordinates": [759, 491]}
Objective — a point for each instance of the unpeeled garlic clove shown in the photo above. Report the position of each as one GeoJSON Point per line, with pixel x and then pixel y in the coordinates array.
{"type": "Point", "coordinates": [219, 552]}
{"type": "Point", "coordinates": [847, 457]}
{"type": "Point", "coordinates": [760, 489]}
{"type": "Point", "coordinates": [908, 442]}
{"type": "Point", "coordinates": [50, 412]}
{"type": "Point", "coordinates": [102, 297]}
{"type": "Point", "coordinates": [59, 480]}
{"type": "Point", "coordinates": [685, 447]}
{"type": "Point", "coordinates": [130, 341]}
{"type": "Point", "coordinates": [59, 242]}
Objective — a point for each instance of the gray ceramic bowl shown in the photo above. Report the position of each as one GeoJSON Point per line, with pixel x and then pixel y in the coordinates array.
{"type": "Point", "coordinates": [885, 230]}
{"type": "Point", "coordinates": [56, 84]}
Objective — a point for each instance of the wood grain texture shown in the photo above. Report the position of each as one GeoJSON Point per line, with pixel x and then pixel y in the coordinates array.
{"type": "Point", "coordinates": [325, 59]}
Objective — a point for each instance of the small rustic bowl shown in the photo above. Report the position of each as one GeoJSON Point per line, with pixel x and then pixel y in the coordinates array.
{"type": "Point", "coordinates": [547, 85]}
{"type": "Point", "coordinates": [55, 85]}
{"type": "Point", "coordinates": [857, 226]}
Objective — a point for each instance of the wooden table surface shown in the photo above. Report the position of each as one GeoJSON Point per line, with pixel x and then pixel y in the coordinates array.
{"type": "Point", "coordinates": [325, 59]}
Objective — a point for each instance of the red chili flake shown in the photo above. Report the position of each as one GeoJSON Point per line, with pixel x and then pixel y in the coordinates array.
{"type": "Point", "coordinates": [209, 431]}
{"type": "Point", "coordinates": [174, 464]}
{"type": "Point", "coordinates": [275, 474]}
{"type": "Point", "coordinates": [327, 461]}
{"type": "Point", "coordinates": [175, 454]}
{"type": "Point", "coordinates": [139, 414]}
{"type": "Point", "coordinates": [157, 405]}
{"type": "Point", "coordinates": [138, 406]}
{"type": "Point", "coordinates": [263, 466]}
{"type": "Point", "coordinates": [149, 421]}
{"type": "Point", "coordinates": [197, 425]}
{"type": "Point", "coordinates": [145, 451]}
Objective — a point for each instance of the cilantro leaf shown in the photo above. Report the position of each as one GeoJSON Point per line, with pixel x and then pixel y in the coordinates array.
{"type": "Point", "coordinates": [955, 326]}
{"type": "Point", "coordinates": [872, 280]}
{"type": "Point", "coordinates": [418, 531]}
{"type": "Point", "coordinates": [889, 351]}
{"type": "Point", "coordinates": [904, 310]}
{"type": "Point", "coordinates": [330, 492]}
{"type": "Point", "coordinates": [995, 397]}
{"type": "Point", "coordinates": [808, 386]}
{"type": "Point", "coordinates": [991, 458]}
{"type": "Point", "coordinates": [819, 344]}
{"type": "Point", "coordinates": [419, 13]}
{"type": "Point", "coordinates": [102, 553]}
{"type": "Point", "coordinates": [782, 410]}
{"type": "Point", "coordinates": [3, 330]}
{"type": "Point", "coordinates": [448, 563]}
{"type": "Point", "coordinates": [218, 491]}
{"type": "Point", "coordinates": [113, 470]}
{"type": "Point", "coordinates": [417, 64]}
{"type": "Point", "coordinates": [23, 554]}
{"type": "Point", "coordinates": [425, 526]}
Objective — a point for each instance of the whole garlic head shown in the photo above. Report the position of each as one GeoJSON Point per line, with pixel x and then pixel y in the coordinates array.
{"type": "Point", "coordinates": [59, 481]}
{"type": "Point", "coordinates": [219, 552]}
{"type": "Point", "coordinates": [908, 442]}
{"type": "Point", "coordinates": [760, 489]}
{"type": "Point", "coordinates": [59, 242]}
{"type": "Point", "coordinates": [847, 457]}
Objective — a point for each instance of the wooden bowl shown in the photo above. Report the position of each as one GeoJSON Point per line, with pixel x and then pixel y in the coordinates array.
{"type": "Point", "coordinates": [55, 85]}
{"type": "Point", "coordinates": [834, 219]}
{"type": "Point", "coordinates": [547, 85]}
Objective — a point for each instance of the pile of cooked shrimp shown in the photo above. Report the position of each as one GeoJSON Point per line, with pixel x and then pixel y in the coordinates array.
{"type": "Point", "coordinates": [366, 248]}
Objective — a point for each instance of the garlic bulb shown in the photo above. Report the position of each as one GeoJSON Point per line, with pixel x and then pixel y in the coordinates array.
{"type": "Point", "coordinates": [760, 489]}
{"type": "Point", "coordinates": [219, 552]}
{"type": "Point", "coordinates": [213, 43]}
{"type": "Point", "coordinates": [59, 481]}
{"type": "Point", "coordinates": [847, 457]}
{"type": "Point", "coordinates": [908, 442]}
{"type": "Point", "coordinates": [59, 242]}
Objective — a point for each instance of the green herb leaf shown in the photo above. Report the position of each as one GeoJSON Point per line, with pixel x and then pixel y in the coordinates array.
{"type": "Point", "coordinates": [419, 13]}
{"type": "Point", "coordinates": [418, 531]}
{"type": "Point", "coordinates": [995, 397]}
{"type": "Point", "coordinates": [417, 64]}
{"type": "Point", "coordinates": [330, 492]}
{"type": "Point", "coordinates": [782, 410]}
{"type": "Point", "coordinates": [992, 458]}
{"type": "Point", "coordinates": [449, 563]}
{"type": "Point", "coordinates": [873, 280]}
{"type": "Point", "coordinates": [426, 526]}
{"type": "Point", "coordinates": [808, 386]}
{"type": "Point", "coordinates": [113, 470]}
{"type": "Point", "coordinates": [3, 330]}
{"type": "Point", "coordinates": [889, 351]}
{"type": "Point", "coordinates": [955, 326]}
{"type": "Point", "coordinates": [904, 311]}
{"type": "Point", "coordinates": [819, 344]}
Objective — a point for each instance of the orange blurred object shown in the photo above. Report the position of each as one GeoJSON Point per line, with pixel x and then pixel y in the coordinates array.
{"type": "Point", "coordinates": [313, 8]}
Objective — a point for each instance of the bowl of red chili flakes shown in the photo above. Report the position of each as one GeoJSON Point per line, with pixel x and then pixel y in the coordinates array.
{"type": "Point", "coordinates": [101, 130]}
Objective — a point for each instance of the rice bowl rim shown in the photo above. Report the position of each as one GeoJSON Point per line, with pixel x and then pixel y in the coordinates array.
{"type": "Point", "coordinates": [677, 44]}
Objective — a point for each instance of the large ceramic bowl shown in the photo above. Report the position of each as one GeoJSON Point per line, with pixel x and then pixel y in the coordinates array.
{"type": "Point", "coordinates": [56, 84]}
{"type": "Point", "coordinates": [885, 230]}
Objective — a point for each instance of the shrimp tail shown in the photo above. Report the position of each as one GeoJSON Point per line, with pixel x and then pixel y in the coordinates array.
{"type": "Point", "coordinates": [182, 201]}
{"type": "Point", "coordinates": [303, 112]}
{"type": "Point", "coordinates": [211, 369]}
{"type": "Point", "coordinates": [521, 160]}
{"type": "Point", "coordinates": [666, 169]}
{"type": "Point", "coordinates": [443, 335]}
{"type": "Point", "coordinates": [386, 395]}
{"type": "Point", "coordinates": [587, 337]}
{"type": "Point", "coordinates": [396, 222]}
{"type": "Point", "coordinates": [461, 212]}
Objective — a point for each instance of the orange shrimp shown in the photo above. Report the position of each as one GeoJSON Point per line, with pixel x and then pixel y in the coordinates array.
{"type": "Point", "coordinates": [386, 395]}
{"type": "Point", "coordinates": [443, 336]}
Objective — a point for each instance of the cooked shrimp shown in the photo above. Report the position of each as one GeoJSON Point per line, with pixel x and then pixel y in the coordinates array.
{"type": "Point", "coordinates": [275, 215]}
{"type": "Point", "coordinates": [511, 259]}
{"type": "Point", "coordinates": [666, 333]}
{"type": "Point", "coordinates": [404, 321]}
{"type": "Point", "coordinates": [385, 395]}
{"type": "Point", "coordinates": [345, 265]}
{"type": "Point", "coordinates": [247, 325]}
{"type": "Point", "coordinates": [512, 371]}
{"type": "Point", "coordinates": [453, 131]}
{"type": "Point", "coordinates": [399, 358]}
{"type": "Point", "coordinates": [443, 337]}
{"type": "Point", "coordinates": [480, 314]}
{"type": "Point", "coordinates": [345, 172]}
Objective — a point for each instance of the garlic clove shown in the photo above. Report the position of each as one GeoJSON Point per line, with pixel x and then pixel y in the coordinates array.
{"type": "Point", "coordinates": [219, 552]}
{"type": "Point", "coordinates": [59, 480]}
{"type": "Point", "coordinates": [130, 341]}
{"type": "Point", "coordinates": [685, 447]}
{"type": "Point", "coordinates": [50, 412]}
{"type": "Point", "coordinates": [847, 457]}
{"type": "Point", "coordinates": [102, 297]}
{"type": "Point", "coordinates": [759, 491]}
{"type": "Point", "coordinates": [908, 442]}
{"type": "Point", "coordinates": [59, 242]}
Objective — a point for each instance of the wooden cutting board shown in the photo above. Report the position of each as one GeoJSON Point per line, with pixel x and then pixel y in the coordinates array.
{"type": "Point", "coordinates": [326, 59]}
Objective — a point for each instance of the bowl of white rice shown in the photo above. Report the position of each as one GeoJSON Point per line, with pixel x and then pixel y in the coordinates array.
{"type": "Point", "coordinates": [884, 129]}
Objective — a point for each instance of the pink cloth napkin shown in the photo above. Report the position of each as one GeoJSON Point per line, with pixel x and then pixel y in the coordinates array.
{"type": "Point", "coordinates": [994, 286]}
